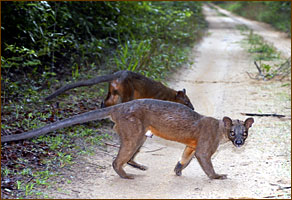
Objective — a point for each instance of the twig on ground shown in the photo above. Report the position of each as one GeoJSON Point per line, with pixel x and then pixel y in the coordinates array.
{"type": "Point", "coordinates": [155, 150]}
{"type": "Point", "coordinates": [112, 145]}
{"type": "Point", "coordinates": [251, 76]}
{"type": "Point", "coordinates": [263, 115]}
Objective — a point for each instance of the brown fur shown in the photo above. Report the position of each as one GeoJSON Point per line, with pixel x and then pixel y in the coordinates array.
{"type": "Point", "coordinates": [175, 122]}
{"type": "Point", "coordinates": [168, 120]}
{"type": "Point", "coordinates": [130, 86]}
{"type": "Point", "coordinates": [127, 85]}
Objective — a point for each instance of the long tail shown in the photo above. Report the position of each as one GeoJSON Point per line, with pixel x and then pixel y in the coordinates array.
{"type": "Point", "coordinates": [78, 119]}
{"type": "Point", "coordinates": [93, 81]}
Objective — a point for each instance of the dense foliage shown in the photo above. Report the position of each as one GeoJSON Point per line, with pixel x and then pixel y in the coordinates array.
{"type": "Point", "coordinates": [276, 13]}
{"type": "Point", "coordinates": [41, 40]}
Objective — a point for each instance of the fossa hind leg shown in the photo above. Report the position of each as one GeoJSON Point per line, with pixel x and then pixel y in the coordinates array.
{"type": "Point", "coordinates": [134, 163]}
{"type": "Point", "coordinates": [185, 160]}
{"type": "Point", "coordinates": [132, 135]}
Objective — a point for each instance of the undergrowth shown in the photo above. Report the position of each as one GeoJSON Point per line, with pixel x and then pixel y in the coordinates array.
{"type": "Point", "coordinates": [27, 166]}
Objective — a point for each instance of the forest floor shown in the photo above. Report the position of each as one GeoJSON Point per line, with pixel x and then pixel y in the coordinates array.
{"type": "Point", "coordinates": [218, 86]}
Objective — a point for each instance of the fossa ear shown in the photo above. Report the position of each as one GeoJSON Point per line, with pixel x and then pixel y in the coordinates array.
{"type": "Point", "coordinates": [181, 93]}
{"type": "Point", "coordinates": [248, 122]}
{"type": "Point", "coordinates": [184, 91]}
{"type": "Point", "coordinates": [227, 122]}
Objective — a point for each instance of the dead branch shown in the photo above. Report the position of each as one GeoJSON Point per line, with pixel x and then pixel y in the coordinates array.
{"type": "Point", "coordinates": [282, 71]}
{"type": "Point", "coordinates": [263, 115]}
{"type": "Point", "coordinates": [259, 69]}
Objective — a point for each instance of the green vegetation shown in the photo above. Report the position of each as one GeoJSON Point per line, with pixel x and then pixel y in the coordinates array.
{"type": "Point", "coordinates": [271, 63]}
{"type": "Point", "coordinates": [46, 44]}
{"type": "Point", "coordinates": [276, 13]}
{"type": "Point", "coordinates": [260, 49]}
{"type": "Point", "coordinates": [42, 41]}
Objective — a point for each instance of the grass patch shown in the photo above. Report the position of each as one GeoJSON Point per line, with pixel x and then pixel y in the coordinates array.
{"type": "Point", "coordinates": [260, 49]}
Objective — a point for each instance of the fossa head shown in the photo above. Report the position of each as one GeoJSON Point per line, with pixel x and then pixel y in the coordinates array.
{"type": "Point", "coordinates": [181, 97]}
{"type": "Point", "coordinates": [237, 130]}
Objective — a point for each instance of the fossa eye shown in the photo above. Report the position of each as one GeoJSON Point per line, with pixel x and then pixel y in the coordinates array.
{"type": "Point", "coordinates": [232, 133]}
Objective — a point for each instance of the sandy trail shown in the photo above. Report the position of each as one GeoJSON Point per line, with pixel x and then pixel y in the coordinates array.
{"type": "Point", "coordinates": [279, 39]}
{"type": "Point", "coordinates": [218, 86]}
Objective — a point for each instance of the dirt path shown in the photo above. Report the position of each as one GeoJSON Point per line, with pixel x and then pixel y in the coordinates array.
{"type": "Point", "coordinates": [218, 86]}
{"type": "Point", "coordinates": [279, 39]}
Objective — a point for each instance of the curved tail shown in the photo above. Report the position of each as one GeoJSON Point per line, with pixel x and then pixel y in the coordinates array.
{"type": "Point", "coordinates": [81, 118]}
{"type": "Point", "coordinates": [93, 81]}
